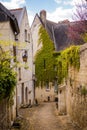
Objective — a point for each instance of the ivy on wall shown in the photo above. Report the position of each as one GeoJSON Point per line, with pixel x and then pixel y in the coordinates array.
{"type": "Point", "coordinates": [44, 60]}
{"type": "Point", "coordinates": [7, 76]}
{"type": "Point", "coordinates": [66, 58]}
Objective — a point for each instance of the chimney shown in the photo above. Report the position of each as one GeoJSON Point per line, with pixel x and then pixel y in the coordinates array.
{"type": "Point", "coordinates": [43, 16]}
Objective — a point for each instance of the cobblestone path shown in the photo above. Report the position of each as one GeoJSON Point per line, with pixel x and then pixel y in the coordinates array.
{"type": "Point", "coordinates": [44, 117]}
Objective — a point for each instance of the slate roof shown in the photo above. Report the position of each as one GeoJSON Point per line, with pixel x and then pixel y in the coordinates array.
{"type": "Point", "coordinates": [6, 15]}
{"type": "Point", "coordinates": [18, 13]}
{"type": "Point", "coordinates": [58, 32]}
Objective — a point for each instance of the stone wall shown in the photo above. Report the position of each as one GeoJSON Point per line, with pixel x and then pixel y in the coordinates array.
{"type": "Point", "coordinates": [3, 115]}
{"type": "Point", "coordinates": [73, 93]}
{"type": "Point", "coordinates": [7, 112]}
{"type": "Point", "coordinates": [44, 94]}
{"type": "Point", "coordinates": [25, 93]}
{"type": "Point", "coordinates": [62, 99]}
{"type": "Point", "coordinates": [77, 91]}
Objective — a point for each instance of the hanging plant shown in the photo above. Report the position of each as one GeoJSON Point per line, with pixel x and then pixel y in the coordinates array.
{"type": "Point", "coordinates": [67, 57]}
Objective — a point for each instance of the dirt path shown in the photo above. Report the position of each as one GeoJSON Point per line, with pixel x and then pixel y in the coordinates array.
{"type": "Point", "coordinates": [44, 117]}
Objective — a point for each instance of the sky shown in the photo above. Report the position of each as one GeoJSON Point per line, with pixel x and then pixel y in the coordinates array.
{"type": "Point", "coordinates": [57, 10]}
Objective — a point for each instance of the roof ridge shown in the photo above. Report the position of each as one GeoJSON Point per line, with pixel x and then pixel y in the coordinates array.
{"type": "Point", "coordinates": [16, 9]}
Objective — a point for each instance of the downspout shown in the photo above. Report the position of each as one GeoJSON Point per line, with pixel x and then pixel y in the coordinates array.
{"type": "Point", "coordinates": [33, 70]}
{"type": "Point", "coordinates": [54, 40]}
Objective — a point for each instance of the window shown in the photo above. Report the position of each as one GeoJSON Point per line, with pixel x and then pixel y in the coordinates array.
{"type": "Point", "coordinates": [16, 37]}
{"type": "Point", "coordinates": [25, 56]}
{"type": "Point", "coordinates": [47, 86]}
{"type": "Point", "coordinates": [28, 37]}
{"type": "Point", "coordinates": [60, 91]}
{"type": "Point", "coordinates": [19, 73]}
{"type": "Point", "coordinates": [25, 35]}
{"type": "Point", "coordinates": [14, 53]}
{"type": "Point", "coordinates": [22, 93]}
{"type": "Point", "coordinates": [3, 16]}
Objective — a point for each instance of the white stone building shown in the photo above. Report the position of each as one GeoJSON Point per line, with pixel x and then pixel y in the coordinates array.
{"type": "Point", "coordinates": [14, 28]}
{"type": "Point", "coordinates": [8, 28]}
{"type": "Point", "coordinates": [41, 94]}
{"type": "Point", "coordinates": [25, 90]}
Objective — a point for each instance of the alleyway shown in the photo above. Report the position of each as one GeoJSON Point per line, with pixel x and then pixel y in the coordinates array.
{"type": "Point", "coordinates": [44, 117]}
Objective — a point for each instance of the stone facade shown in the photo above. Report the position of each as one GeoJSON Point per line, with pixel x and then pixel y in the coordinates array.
{"type": "Point", "coordinates": [24, 91]}
{"type": "Point", "coordinates": [41, 94]}
{"type": "Point", "coordinates": [7, 35]}
{"type": "Point", "coordinates": [75, 90]}
{"type": "Point", "coordinates": [62, 99]}
{"type": "Point", "coordinates": [34, 34]}
{"type": "Point", "coordinates": [25, 88]}
{"type": "Point", "coordinates": [45, 94]}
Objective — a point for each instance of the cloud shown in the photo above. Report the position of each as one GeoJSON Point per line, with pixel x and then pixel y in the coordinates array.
{"type": "Point", "coordinates": [76, 2]}
{"type": "Point", "coordinates": [17, 4]}
{"type": "Point", "coordinates": [13, 3]}
{"type": "Point", "coordinates": [58, 1]}
{"type": "Point", "coordinates": [31, 16]}
{"type": "Point", "coordinates": [60, 14]}
{"type": "Point", "coordinates": [64, 2]}
{"type": "Point", "coordinates": [69, 2]}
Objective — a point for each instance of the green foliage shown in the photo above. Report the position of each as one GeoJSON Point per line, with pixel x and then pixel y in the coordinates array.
{"type": "Point", "coordinates": [84, 91]}
{"type": "Point", "coordinates": [44, 60]}
{"type": "Point", "coordinates": [62, 59]}
{"type": "Point", "coordinates": [67, 57]}
{"type": "Point", "coordinates": [7, 76]}
{"type": "Point", "coordinates": [84, 37]}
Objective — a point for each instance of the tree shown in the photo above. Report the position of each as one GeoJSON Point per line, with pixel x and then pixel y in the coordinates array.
{"type": "Point", "coordinates": [78, 29]}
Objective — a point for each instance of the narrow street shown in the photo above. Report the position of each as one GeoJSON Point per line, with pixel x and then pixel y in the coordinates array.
{"type": "Point", "coordinates": [45, 117]}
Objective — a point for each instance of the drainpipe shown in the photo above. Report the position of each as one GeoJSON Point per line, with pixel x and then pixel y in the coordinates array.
{"type": "Point", "coordinates": [54, 40]}
{"type": "Point", "coordinates": [16, 39]}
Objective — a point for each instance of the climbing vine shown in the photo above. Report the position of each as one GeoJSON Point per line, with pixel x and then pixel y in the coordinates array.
{"type": "Point", "coordinates": [7, 75]}
{"type": "Point", "coordinates": [67, 57]}
{"type": "Point", "coordinates": [44, 60]}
